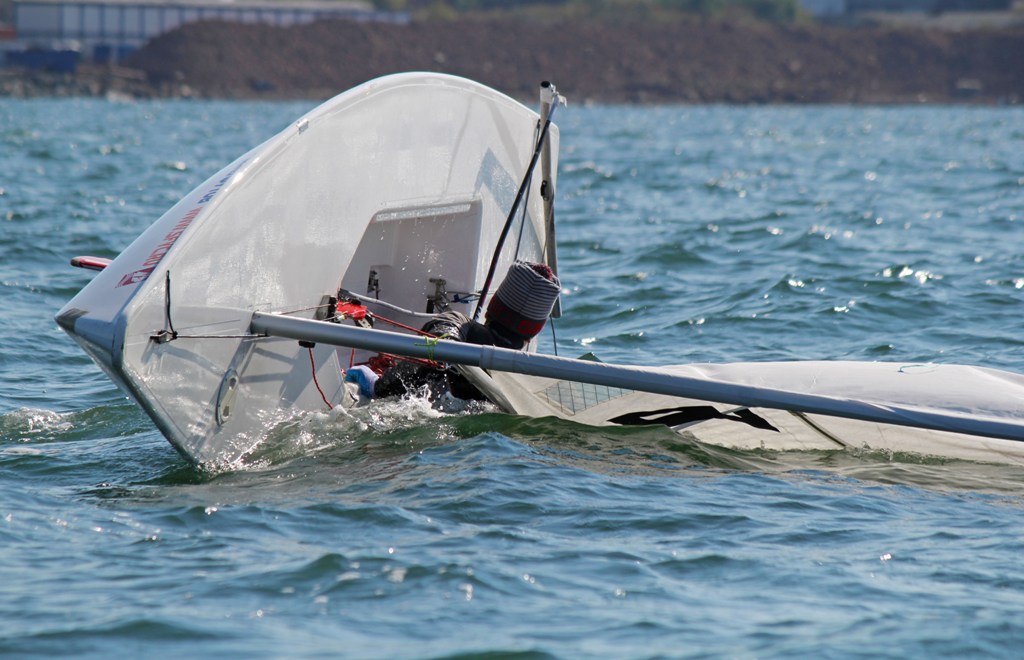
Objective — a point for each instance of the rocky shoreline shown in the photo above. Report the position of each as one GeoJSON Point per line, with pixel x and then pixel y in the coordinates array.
{"type": "Point", "coordinates": [683, 61]}
{"type": "Point", "coordinates": [87, 81]}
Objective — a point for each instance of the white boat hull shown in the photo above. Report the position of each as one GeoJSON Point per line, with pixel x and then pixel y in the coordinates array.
{"type": "Point", "coordinates": [403, 180]}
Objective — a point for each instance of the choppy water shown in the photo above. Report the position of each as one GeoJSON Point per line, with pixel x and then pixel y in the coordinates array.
{"type": "Point", "coordinates": [686, 234]}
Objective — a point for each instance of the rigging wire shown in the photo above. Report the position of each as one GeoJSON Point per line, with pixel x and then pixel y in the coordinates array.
{"type": "Point", "coordinates": [525, 206]}
{"type": "Point", "coordinates": [515, 208]}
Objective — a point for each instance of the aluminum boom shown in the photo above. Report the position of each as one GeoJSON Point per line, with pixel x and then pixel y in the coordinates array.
{"type": "Point", "coordinates": [645, 379]}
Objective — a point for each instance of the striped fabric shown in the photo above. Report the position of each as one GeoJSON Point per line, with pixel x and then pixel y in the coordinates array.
{"type": "Point", "coordinates": [527, 291]}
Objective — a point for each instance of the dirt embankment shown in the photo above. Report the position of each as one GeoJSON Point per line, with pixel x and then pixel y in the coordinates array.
{"type": "Point", "coordinates": [697, 61]}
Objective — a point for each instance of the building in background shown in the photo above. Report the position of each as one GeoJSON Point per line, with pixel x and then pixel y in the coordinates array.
{"type": "Point", "coordinates": [928, 5]}
{"type": "Point", "coordinates": [55, 34]}
{"type": "Point", "coordinates": [824, 8]}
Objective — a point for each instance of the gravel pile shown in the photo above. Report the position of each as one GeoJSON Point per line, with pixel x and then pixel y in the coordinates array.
{"type": "Point", "coordinates": [697, 61]}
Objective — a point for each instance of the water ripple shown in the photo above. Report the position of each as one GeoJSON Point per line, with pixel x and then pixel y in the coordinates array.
{"type": "Point", "coordinates": [685, 234]}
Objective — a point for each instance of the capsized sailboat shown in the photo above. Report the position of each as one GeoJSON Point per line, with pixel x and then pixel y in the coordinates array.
{"type": "Point", "coordinates": [406, 196]}
{"type": "Point", "coordinates": [396, 190]}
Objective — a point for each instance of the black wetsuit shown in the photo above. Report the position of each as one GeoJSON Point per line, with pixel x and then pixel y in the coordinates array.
{"type": "Point", "coordinates": [406, 376]}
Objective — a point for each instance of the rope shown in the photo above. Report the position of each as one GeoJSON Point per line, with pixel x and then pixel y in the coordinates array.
{"type": "Point", "coordinates": [303, 309]}
{"type": "Point", "coordinates": [316, 382]}
{"type": "Point", "coordinates": [249, 336]}
{"type": "Point", "coordinates": [398, 325]}
{"type": "Point", "coordinates": [170, 334]}
{"type": "Point", "coordinates": [431, 344]}
{"type": "Point", "coordinates": [374, 301]}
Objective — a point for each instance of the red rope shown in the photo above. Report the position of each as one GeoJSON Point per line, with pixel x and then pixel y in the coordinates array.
{"type": "Point", "coordinates": [358, 312]}
{"type": "Point", "coordinates": [400, 325]}
{"type": "Point", "coordinates": [433, 364]}
{"type": "Point", "coordinates": [312, 364]}
{"type": "Point", "coordinates": [420, 361]}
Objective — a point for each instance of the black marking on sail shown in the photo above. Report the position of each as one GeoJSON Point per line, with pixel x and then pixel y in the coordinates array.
{"type": "Point", "coordinates": [67, 318]}
{"type": "Point", "coordinates": [690, 415]}
{"type": "Point", "coordinates": [575, 397]}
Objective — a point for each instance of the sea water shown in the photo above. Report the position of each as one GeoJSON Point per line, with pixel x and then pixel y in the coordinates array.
{"type": "Point", "coordinates": [686, 234]}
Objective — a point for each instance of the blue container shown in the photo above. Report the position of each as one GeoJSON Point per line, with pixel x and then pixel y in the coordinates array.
{"type": "Point", "coordinates": [55, 61]}
{"type": "Point", "coordinates": [102, 53]}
